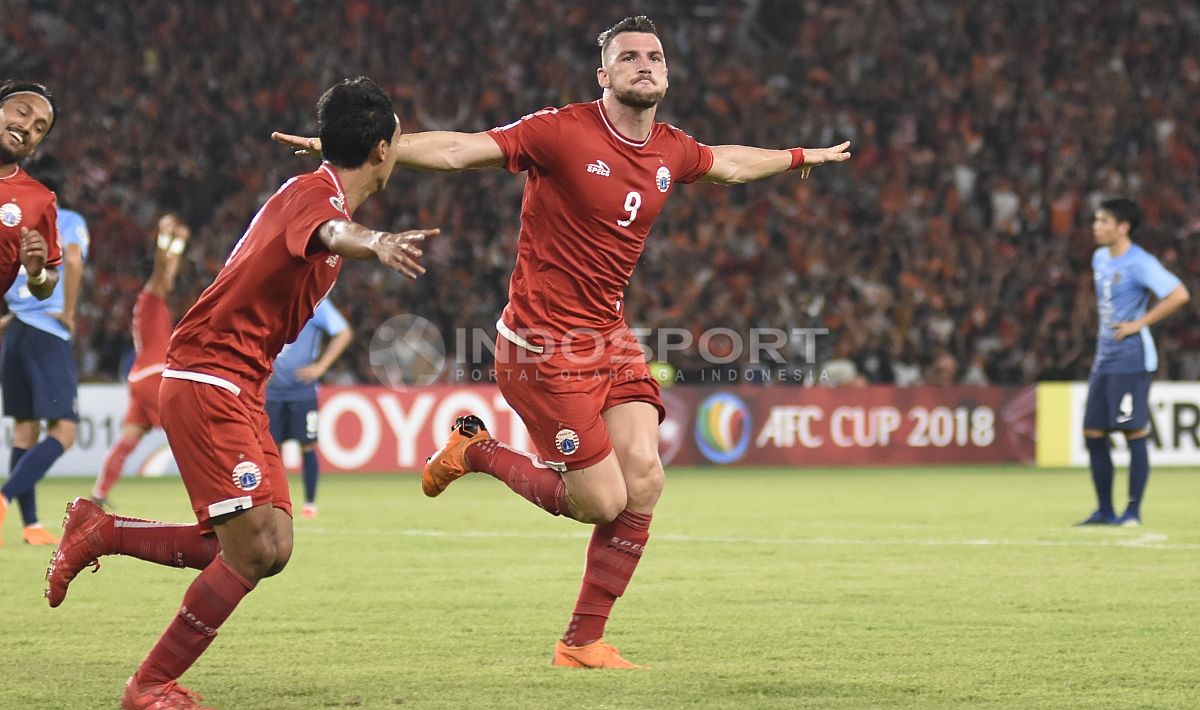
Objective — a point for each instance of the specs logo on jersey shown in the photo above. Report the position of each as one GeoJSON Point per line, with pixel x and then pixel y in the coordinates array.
{"type": "Point", "coordinates": [663, 178]}
{"type": "Point", "coordinates": [247, 476]}
{"type": "Point", "coordinates": [600, 168]}
{"type": "Point", "coordinates": [566, 441]}
{"type": "Point", "coordinates": [10, 214]}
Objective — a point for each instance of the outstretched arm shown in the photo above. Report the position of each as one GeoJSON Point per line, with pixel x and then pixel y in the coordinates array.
{"type": "Point", "coordinates": [431, 150]}
{"type": "Point", "coordinates": [737, 164]}
{"type": "Point", "coordinates": [398, 251]}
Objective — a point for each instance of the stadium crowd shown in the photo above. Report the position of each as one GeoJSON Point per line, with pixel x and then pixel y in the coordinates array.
{"type": "Point", "coordinates": [954, 247]}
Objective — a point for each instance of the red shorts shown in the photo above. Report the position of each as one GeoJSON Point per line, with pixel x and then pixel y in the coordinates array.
{"type": "Point", "coordinates": [561, 399]}
{"type": "Point", "coordinates": [143, 402]}
{"type": "Point", "coordinates": [224, 449]}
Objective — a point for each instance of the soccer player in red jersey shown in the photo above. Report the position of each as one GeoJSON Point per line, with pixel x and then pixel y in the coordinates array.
{"type": "Point", "coordinates": [151, 331]}
{"type": "Point", "coordinates": [28, 212]}
{"type": "Point", "coordinates": [598, 175]}
{"type": "Point", "coordinates": [211, 398]}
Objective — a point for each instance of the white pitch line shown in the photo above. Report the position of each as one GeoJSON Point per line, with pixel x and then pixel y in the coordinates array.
{"type": "Point", "coordinates": [1148, 541]}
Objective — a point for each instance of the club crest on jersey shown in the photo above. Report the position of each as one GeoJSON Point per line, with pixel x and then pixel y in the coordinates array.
{"type": "Point", "coordinates": [10, 214]}
{"type": "Point", "coordinates": [247, 476]}
{"type": "Point", "coordinates": [663, 178]}
{"type": "Point", "coordinates": [566, 441]}
{"type": "Point", "coordinates": [599, 168]}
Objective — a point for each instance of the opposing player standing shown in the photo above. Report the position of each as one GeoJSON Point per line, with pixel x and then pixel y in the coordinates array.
{"type": "Point", "coordinates": [598, 175]}
{"type": "Point", "coordinates": [28, 220]}
{"type": "Point", "coordinates": [292, 390]}
{"type": "Point", "coordinates": [1119, 386]}
{"type": "Point", "coordinates": [211, 398]}
{"type": "Point", "coordinates": [151, 332]}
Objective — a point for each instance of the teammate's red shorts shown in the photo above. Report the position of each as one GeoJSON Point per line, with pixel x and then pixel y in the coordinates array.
{"type": "Point", "coordinates": [561, 396]}
{"type": "Point", "coordinates": [224, 449]}
{"type": "Point", "coordinates": [143, 402]}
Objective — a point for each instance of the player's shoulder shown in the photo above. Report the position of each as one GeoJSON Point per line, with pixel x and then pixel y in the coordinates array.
{"type": "Point", "coordinates": [320, 184]}
{"type": "Point", "coordinates": [31, 186]}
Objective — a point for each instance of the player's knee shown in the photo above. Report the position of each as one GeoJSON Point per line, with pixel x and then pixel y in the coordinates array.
{"type": "Point", "coordinates": [64, 431]}
{"type": "Point", "coordinates": [282, 556]}
{"type": "Point", "coordinates": [600, 510]}
{"type": "Point", "coordinates": [644, 479]}
{"type": "Point", "coordinates": [256, 557]}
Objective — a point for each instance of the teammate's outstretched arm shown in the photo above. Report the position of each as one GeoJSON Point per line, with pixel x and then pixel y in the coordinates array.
{"type": "Point", "coordinates": [398, 251]}
{"type": "Point", "coordinates": [737, 164]}
{"type": "Point", "coordinates": [431, 150]}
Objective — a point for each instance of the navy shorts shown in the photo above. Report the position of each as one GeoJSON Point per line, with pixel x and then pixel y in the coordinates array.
{"type": "Point", "coordinates": [38, 375]}
{"type": "Point", "coordinates": [1118, 401]}
{"type": "Point", "coordinates": [293, 420]}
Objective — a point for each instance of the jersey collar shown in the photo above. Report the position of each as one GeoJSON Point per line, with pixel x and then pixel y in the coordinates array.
{"type": "Point", "coordinates": [617, 134]}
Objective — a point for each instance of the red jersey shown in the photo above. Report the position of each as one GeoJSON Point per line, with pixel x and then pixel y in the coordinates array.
{"type": "Point", "coordinates": [25, 202]}
{"type": "Point", "coordinates": [151, 334]}
{"type": "Point", "coordinates": [267, 291]}
{"type": "Point", "coordinates": [590, 199]}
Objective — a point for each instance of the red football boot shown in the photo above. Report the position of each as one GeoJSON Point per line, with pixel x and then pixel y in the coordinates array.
{"type": "Point", "coordinates": [87, 534]}
{"type": "Point", "coordinates": [159, 696]}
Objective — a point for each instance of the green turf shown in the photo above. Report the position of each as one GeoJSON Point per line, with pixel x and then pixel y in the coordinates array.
{"type": "Point", "coordinates": [760, 589]}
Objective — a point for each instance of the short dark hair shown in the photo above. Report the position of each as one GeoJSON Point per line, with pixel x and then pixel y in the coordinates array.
{"type": "Point", "coordinates": [12, 86]}
{"type": "Point", "coordinates": [353, 116]}
{"type": "Point", "coordinates": [1124, 209]}
{"type": "Point", "coordinates": [641, 23]}
{"type": "Point", "coordinates": [48, 170]}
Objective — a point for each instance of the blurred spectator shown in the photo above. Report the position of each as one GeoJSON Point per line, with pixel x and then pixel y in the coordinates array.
{"type": "Point", "coordinates": [984, 134]}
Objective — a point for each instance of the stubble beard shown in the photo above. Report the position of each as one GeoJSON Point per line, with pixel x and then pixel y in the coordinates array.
{"type": "Point", "coordinates": [640, 98]}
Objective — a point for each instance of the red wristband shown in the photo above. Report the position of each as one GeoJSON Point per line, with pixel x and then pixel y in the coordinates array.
{"type": "Point", "coordinates": [797, 157]}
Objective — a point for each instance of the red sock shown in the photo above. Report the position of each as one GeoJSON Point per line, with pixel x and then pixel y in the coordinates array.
{"type": "Point", "coordinates": [209, 601]}
{"type": "Point", "coordinates": [612, 556]}
{"type": "Point", "coordinates": [173, 545]}
{"type": "Point", "coordinates": [113, 463]}
{"type": "Point", "coordinates": [524, 473]}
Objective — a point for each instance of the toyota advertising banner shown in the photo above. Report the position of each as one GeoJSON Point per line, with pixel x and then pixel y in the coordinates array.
{"type": "Point", "coordinates": [381, 429]}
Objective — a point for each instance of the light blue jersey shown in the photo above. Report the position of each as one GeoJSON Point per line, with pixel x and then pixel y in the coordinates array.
{"type": "Point", "coordinates": [303, 351]}
{"type": "Point", "coordinates": [72, 229]}
{"type": "Point", "coordinates": [1123, 287]}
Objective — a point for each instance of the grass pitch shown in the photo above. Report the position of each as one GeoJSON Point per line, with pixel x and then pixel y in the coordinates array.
{"type": "Point", "coordinates": [759, 589]}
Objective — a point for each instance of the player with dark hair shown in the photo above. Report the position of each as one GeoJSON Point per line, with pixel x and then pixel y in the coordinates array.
{"type": "Point", "coordinates": [37, 370]}
{"type": "Point", "coordinates": [292, 390]}
{"type": "Point", "coordinates": [598, 175]}
{"type": "Point", "coordinates": [29, 241]}
{"type": "Point", "coordinates": [1119, 386]}
{"type": "Point", "coordinates": [211, 398]}
{"type": "Point", "coordinates": [151, 331]}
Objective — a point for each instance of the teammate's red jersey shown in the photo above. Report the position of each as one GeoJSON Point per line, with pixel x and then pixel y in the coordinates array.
{"type": "Point", "coordinates": [265, 293]}
{"type": "Point", "coordinates": [151, 334]}
{"type": "Point", "coordinates": [590, 200]}
{"type": "Point", "coordinates": [25, 202]}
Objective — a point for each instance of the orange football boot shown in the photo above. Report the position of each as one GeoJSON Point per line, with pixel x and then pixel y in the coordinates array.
{"type": "Point", "coordinates": [37, 535]}
{"type": "Point", "coordinates": [450, 462]}
{"type": "Point", "coordinates": [596, 654]}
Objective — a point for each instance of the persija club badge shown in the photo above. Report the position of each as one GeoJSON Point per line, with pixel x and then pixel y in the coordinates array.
{"type": "Point", "coordinates": [247, 476]}
{"type": "Point", "coordinates": [10, 214]}
{"type": "Point", "coordinates": [566, 441]}
{"type": "Point", "coordinates": [663, 178]}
